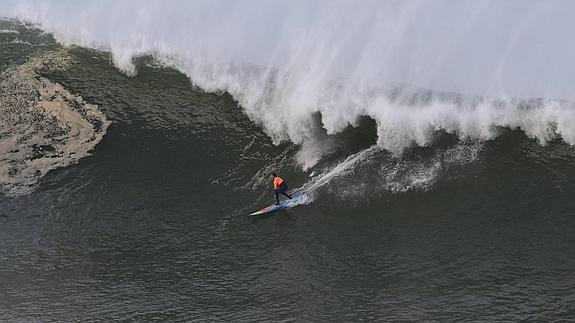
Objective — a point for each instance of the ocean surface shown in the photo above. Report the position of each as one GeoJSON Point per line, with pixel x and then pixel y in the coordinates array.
{"type": "Point", "coordinates": [125, 194]}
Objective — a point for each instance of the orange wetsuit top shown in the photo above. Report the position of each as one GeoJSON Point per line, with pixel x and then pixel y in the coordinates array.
{"type": "Point", "coordinates": [277, 182]}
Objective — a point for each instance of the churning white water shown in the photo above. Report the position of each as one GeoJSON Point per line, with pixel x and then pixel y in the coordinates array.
{"type": "Point", "coordinates": [507, 63]}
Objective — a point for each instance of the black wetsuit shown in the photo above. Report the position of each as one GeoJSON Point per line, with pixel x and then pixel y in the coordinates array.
{"type": "Point", "coordinates": [281, 190]}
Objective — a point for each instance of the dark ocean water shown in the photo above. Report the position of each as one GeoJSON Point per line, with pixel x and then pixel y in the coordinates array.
{"type": "Point", "coordinates": [153, 225]}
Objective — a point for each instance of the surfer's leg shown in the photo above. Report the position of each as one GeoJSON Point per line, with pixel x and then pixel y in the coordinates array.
{"type": "Point", "coordinates": [283, 189]}
{"type": "Point", "coordinates": [277, 196]}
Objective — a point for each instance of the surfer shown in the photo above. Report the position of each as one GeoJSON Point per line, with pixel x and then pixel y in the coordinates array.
{"type": "Point", "coordinates": [280, 187]}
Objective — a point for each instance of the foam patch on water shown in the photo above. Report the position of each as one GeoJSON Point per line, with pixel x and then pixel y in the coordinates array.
{"type": "Point", "coordinates": [43, 126]}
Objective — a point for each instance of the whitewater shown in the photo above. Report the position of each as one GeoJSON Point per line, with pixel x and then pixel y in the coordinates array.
{"type": "Point", "coordinates": [467, 68]}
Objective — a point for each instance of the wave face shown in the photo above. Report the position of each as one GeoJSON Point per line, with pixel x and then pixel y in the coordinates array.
{"type": "Point", "coordinates": [508, 63]}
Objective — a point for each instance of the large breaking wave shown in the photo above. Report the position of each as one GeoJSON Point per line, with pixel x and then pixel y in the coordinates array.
{"type": "Point", "coordinates": [489, 64]}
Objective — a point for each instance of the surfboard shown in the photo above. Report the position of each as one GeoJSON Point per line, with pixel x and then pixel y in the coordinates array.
{"type": "Point", "coordinates": [283, 203]}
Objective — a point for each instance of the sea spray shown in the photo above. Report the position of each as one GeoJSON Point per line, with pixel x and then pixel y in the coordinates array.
{"type": "Point", "coordinates": [508, 63]}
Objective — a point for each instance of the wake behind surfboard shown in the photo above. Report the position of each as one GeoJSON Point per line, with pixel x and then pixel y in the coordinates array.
{"type": "Point", "coordinates": [284, 203]}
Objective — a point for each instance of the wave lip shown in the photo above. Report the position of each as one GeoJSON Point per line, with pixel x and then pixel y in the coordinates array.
{"type": "Point", "coordinates": [287, 61]}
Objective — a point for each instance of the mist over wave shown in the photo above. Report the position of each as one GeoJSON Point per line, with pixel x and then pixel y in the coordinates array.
{"type": "Point", "coordinates": [490, 64]}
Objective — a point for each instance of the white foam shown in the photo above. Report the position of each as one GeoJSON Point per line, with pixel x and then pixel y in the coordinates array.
{"type": "Point", "coordinates": [9, 31]}
{"type": "Point", "coordinates": [42, 125]}
{"type": "Point", "coordinates": [284, 61]}
{"type": "Point", "coordinates": [371, 172]}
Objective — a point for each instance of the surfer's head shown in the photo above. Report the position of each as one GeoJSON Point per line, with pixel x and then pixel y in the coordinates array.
{"type": "Point", "coordinates": [274, 174]}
